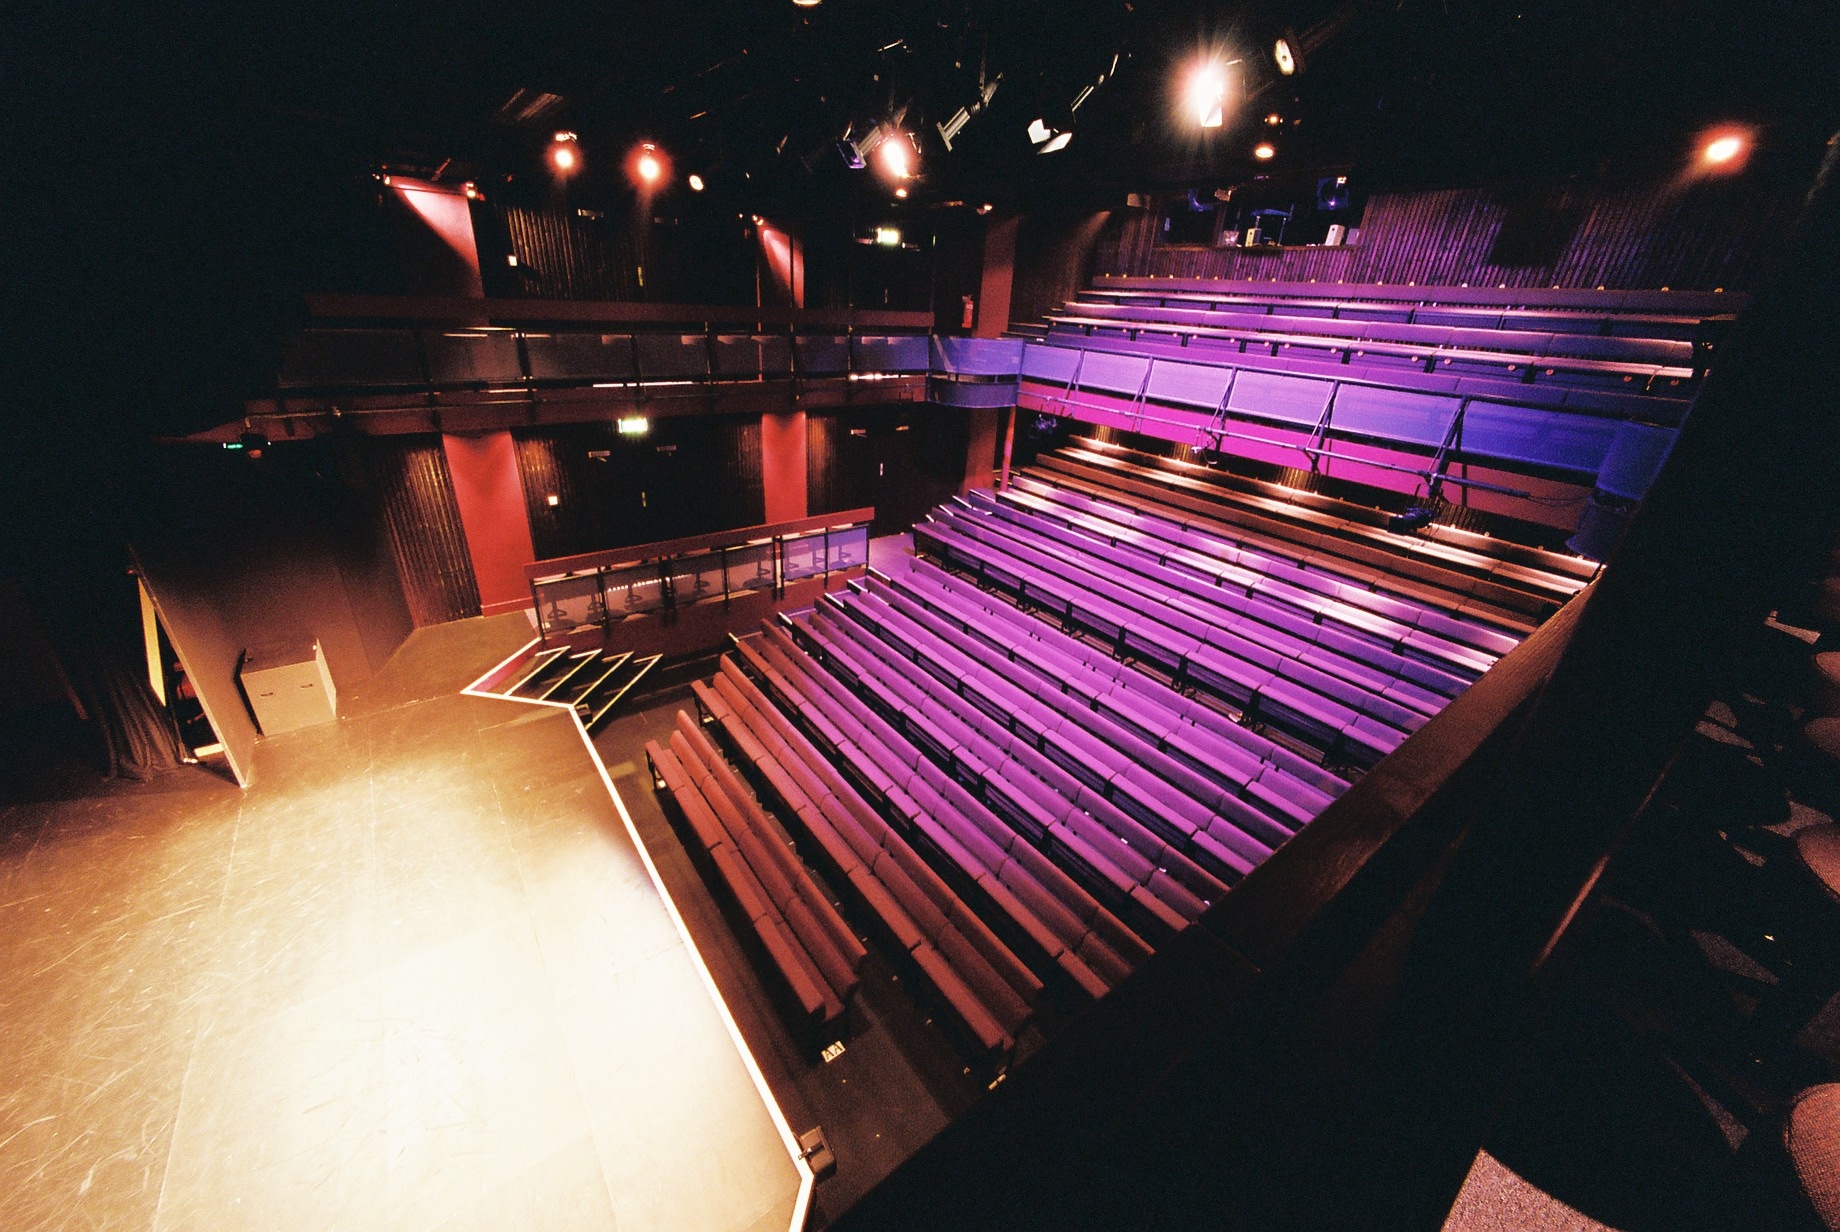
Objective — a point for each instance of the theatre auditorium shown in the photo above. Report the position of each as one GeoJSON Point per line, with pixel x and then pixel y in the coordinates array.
{"type": "Point", "coordinates": [935, 615]}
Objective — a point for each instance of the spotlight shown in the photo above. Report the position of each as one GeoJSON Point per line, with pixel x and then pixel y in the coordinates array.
{"type": "Point", "coordinates": [1724, 149]}
{"type": "Point", "coordinates": [633, 425]}
{"type": "Point", "coordinates": [1274, 119]}
{"type": "Point", "coordinates": [897, 156]}
{"type": "Point", "coordinates": [696, 181]}
{"type": "Point", "coordinates": [985, 208]}
{"type": "Point", "coordinates": [1285, 53]}
{"type": "Point", "coordinates": [806, 4]}
{"type": "Point", "coordinates": [648, 166]}
{"type": "Point", "coordinates": [1047, 140]}
{"type": "Point", "coordinates": [948, 131]}
{"type": "Point", "coordinates": [564, 152]}
{"type": "Point", "coordinates": [900, 194]}
{"type": "Point", "coordinates": [888, 237]}
{"type": "Point", "coordinates": [1207, 94]}
{"type": "Point", "coordinates": [1264, 151]}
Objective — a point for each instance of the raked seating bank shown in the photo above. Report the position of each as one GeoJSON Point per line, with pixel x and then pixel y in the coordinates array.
{"type": "Point", "coordinates": [1097, 701]}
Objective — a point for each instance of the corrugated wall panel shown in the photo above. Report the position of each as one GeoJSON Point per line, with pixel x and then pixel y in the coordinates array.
{"type": "Point", "coordinates": [423, 523]}
{"type": "Point", "coordinates": [1702, 236]}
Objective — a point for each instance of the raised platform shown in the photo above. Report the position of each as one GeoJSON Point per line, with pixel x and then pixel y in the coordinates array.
{"type": "Point", "coordinates": [419, 976]}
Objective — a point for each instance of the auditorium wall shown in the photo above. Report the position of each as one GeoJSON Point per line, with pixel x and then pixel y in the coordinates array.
{"type": "Point", "coordinates": [1701, 235]}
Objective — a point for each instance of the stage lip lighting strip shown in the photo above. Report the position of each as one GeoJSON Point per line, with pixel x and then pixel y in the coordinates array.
{"type": "Point", "coordinates": [802, 1203]}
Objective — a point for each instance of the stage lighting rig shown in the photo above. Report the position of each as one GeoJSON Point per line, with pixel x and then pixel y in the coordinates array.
{"type": "Point", "coordinates": [949, 130]}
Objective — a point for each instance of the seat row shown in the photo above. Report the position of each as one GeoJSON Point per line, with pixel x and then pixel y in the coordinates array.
{"type": "Point", "coordinates": [1047, 755]}
{"type": "Point", "coordinates": [1044, 662]}
{"type": "Point", "coordinates": [1420, 658]}
{"type": "Point", "coordinates": [1490, 379]}
{"type": "Point", "coordinates": [1349, 596]}
{"type": "Point", "coordinates": [1516, 339]}
{"type": "Point", "coordinates": [1044, 912]}
{"type": "Point", "coordinates": [1483, 578]}
{"type": "Point", "coordinates": [1518, 367]}
{"type": "Point", "coordinates": [810, 946]}
{"type": "Point", "coordinates": [1684, 315]}
{"type": "Point", "coordinates": [1286, 695]}
{"type": "Point", "coordinates": [1023, 776]}
{"type": "Point", "coordinates": [989, 992]}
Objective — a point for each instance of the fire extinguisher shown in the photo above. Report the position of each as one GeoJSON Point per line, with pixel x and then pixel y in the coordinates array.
{"type": "Point", "coordinates": [970, 318]}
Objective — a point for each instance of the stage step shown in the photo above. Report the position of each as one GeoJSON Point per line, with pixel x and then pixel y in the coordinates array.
{"type": "Point", "coordinates": [597, 704]}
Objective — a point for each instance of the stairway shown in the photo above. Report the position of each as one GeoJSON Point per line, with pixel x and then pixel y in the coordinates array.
{"type": "Point", "coordinates": [592, 681]}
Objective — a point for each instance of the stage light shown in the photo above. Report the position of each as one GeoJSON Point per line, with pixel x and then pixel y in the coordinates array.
{"type": "Point", "coordinates": [1059, 141]}
{"type": "Point", "coordinates": [897, 156]}
{"type": "Point", "coordinates": [900, 194]}
{"type": "Point", "coordinates": [1207, 94]}
{"type": "Point", "coordinates": [564, 153]}
{"type": "Point", "coordinates": [1264, 151]}
{"type": "Point", "coordinates": [985, 208]}
{"type": "Point", "coordinates": [1274, 119]}
{"type": "Point", "coordinates": [1038, 132]}
{"type": "Point", "coordinates": [648, 167]}
{"type": "Point", "coordinates": [806, 4]}
{"type": "Point", "coordinates": [695, 182]}
{"type": "Point", "coordinates": [633, 425]}
{"type": "Point", "coordinates": [1284, 52]}
{"type": "Point", "coordinates": [888, 237]}
{"type": "Point", "coordinates": [1723, 149]}
{"type": "Point", "coordinates": [949, 131]}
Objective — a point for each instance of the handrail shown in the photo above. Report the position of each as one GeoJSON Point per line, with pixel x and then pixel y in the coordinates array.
{"type": "Point", "coordinates": [410, 309]}
{"type": "Point", "coordinates": [639, 553]}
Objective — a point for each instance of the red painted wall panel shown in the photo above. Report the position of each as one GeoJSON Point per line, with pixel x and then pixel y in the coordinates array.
{"type": "Point", "coordinates": [491, 500]}
{"type": "Point", "coordinates": [782, 465]}
{"type": "Point", "coordinates": [999, 276]}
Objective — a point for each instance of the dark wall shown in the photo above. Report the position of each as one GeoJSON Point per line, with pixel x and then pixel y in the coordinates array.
{"type": "Point", "coordinates": [1697, 236]}
{"type": "Point", "coordinates": [312, 542]}
{"type": "Point", "coordinates": [1055, 255]}
{"type": "Point", "coordinates": [288, 548]}
{"type": "Point", "coordinates": [902, 459]}
{"type": "Point", "coordinates": [690, 255]}
{"type": "Point", "coordinates": [688, 475]}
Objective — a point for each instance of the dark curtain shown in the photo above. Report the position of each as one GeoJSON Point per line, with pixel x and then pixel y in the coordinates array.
{"type": "Point", "coordinates": [139, 737]}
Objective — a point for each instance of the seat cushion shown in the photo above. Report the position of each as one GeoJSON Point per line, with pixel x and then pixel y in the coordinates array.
{"type": "Point", "coordinates": [1812, 1137]}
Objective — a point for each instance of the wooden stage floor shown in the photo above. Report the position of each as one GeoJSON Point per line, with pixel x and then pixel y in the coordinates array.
{"type": "Point", "coordinates": [417, 976]}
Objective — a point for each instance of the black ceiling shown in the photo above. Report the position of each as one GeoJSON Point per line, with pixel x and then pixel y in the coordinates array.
{"type": "Point", "coordinates": [1409, 89]}
{"type": "Point", "coordinates": [172, 169]}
